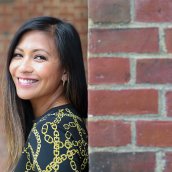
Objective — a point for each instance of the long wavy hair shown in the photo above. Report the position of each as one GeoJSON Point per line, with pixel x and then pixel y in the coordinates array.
{"type": "Point", "coordinates": [18, 114]}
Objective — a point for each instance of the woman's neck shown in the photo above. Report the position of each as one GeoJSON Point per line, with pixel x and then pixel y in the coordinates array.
{"type": "Point", "coordinates": [43, 105]}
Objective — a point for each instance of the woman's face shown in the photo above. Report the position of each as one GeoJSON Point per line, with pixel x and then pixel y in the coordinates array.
{"type": "Point", "coordinates": [35, 67]}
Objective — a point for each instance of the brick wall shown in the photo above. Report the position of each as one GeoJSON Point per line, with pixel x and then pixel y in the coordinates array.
{"type": "Point", "coordinates": [15, 12]}
{"type": "Point", "coordinates": [130, 85]}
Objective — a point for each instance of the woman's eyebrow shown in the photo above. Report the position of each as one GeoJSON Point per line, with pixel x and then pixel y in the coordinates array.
{"type": "Point", "coordinates": [39, 49]}
{"type": "Point", "coordinates": [35, 50]}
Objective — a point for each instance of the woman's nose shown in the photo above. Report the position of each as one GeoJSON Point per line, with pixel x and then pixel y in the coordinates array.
{"type": "Point", "coordinates": [25, 65]}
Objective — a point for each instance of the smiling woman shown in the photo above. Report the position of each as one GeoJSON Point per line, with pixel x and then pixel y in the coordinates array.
{"type": "Point", "coordinates": [37, 72]}
{"type": "Point", "coordinates": [45, 100]}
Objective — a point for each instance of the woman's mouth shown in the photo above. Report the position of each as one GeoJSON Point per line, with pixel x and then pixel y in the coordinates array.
{"type": "Point", "coordinates": [26, 81]}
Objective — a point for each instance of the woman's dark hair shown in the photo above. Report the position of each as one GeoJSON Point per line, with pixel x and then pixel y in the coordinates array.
{"type": "Point", "coordinates": [18, 112]}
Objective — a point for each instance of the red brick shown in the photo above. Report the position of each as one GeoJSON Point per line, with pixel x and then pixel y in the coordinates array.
{"type": "Point", "coordinates": [158, 71]}
{"type": "Point", "coordinates": [168, 167]}
{"type": "Point", "coordinates": [109, 133]}
{"type": "Point", "coordinates": [108, 70]}
{"type": "Point", "coordinates": [168, 40]}
{"type": "Point", "coordinates": [144, 40]}
{"type": "Point", "coordinates": [153, 11]}
{"type": "Point", "coordinates": [103, 102]}
{"type": "Point", "coordinates": [168, 103]}
{"type": "Point", "coordinates": [154, 133]}
{"type": "Point", "coordinates": [109, 11]}
{"type": "Point", "coordinates": [122, 162]}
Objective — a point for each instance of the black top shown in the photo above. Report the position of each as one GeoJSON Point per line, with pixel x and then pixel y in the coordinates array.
{"type": "Point", "coordinates": [57, 142]}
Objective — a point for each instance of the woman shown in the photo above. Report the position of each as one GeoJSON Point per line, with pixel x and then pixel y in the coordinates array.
{"type": "Point", "coordinates": [45, 100]}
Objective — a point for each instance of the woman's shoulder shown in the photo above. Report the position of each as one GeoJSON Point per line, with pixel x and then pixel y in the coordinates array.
{"type": "Point", "coordinates": [64, 118]}
{"type": "Point", "coordinates": [60, 131]}
{"type": "Point", "coordinates": [60, 115]}
{"type": "Point", "coordinates": [59, 122]}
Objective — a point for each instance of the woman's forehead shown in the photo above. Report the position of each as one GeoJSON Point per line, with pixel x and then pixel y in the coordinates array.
{"type": "Point", "coordinates": [37, 40]}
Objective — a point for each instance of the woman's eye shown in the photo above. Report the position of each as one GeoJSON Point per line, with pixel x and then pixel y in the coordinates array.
{"type": "Point", "coordinates": [17, 55]}
{"type": "Point", "coordinates": [40, 58]}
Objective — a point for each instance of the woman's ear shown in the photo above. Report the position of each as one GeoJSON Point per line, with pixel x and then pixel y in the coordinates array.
{"type": "Point", "coordinates": [64, 77]}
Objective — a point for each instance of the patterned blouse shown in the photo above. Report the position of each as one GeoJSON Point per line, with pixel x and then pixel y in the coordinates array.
{"type": "Point", "coordinates": [57, 142]}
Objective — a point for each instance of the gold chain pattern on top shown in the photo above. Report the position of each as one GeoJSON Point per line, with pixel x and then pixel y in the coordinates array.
{"type": "Point", "coordinates": [51, 135]}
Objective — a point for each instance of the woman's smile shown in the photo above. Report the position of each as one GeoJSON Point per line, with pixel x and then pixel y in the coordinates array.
{"type": "Point", "coordinates": [26, 81]}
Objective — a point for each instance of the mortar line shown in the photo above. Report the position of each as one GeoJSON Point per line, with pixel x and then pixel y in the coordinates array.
{"type": "Point", "coordinates": [133, 133]}
{"type": "Point", "coordinates": [162, 40]}
{"type": "Point", "coordinates": [130, 118]}
{"type": "Point", "coordinates": [113, 87]}
{"type": "Point", "coordinates": [129, 149]}
{"type": "Point", "coordinates": [132, 55]}
{"type": "Point", "coordinates": [162, 103]}
{"type": "Point", "coordinates": [132, 11]}
{"type": "Point", "coordinates": [132, 71]}
{"type": "Point", "coordinates": [160, 161]}
{"type": "Point", "coordinates": [132, 25]}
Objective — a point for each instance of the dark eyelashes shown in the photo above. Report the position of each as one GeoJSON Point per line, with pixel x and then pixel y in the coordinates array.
{"type": "Point", "coordinates": [37, 57]}
{"type": "Point", "coordinates": [17, 55]}
{"type": "Point", "coordinates": [41, 57]}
